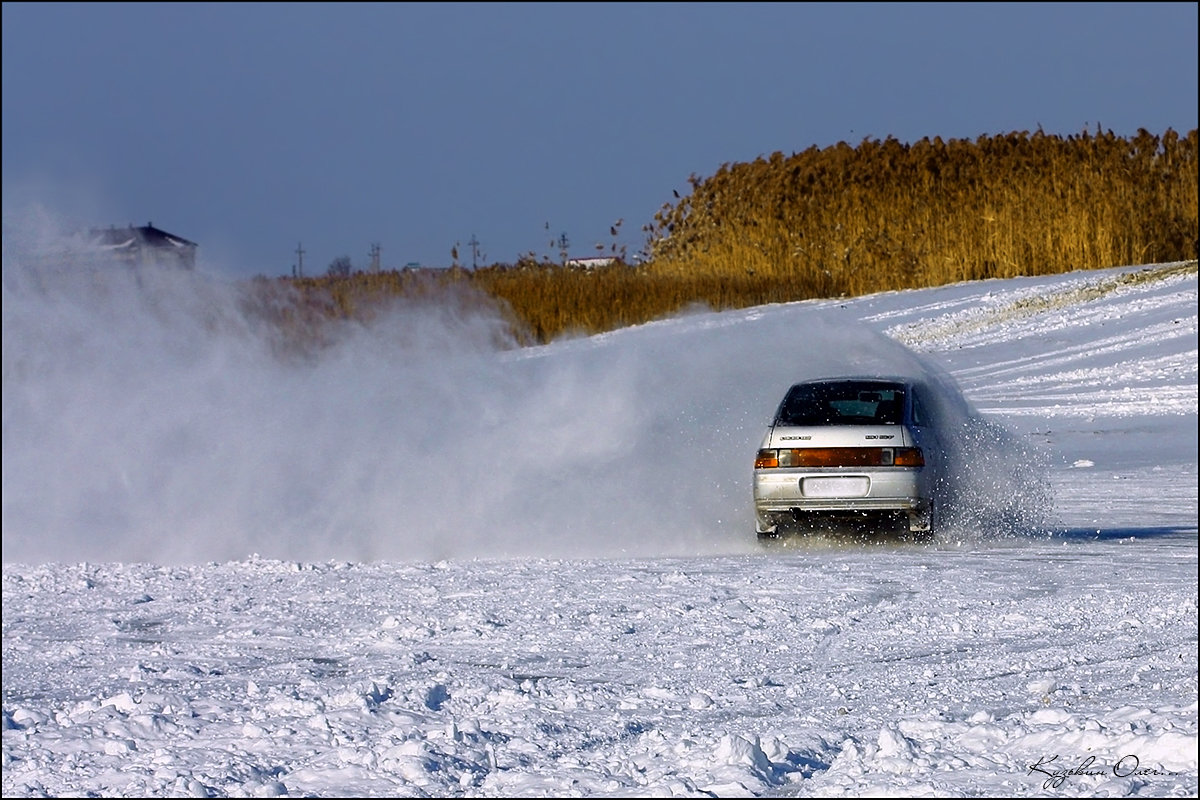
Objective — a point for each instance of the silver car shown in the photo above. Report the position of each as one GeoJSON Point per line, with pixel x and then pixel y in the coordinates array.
{"type": "Point", "coordinates": [856, 451]}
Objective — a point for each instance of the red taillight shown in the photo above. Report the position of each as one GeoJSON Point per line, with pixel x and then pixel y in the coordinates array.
{"type": "Point", "coordinates": [840, 457]}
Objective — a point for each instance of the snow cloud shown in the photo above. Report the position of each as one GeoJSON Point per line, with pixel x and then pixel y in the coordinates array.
{"type": "Point", "coordinates": [148, 417]}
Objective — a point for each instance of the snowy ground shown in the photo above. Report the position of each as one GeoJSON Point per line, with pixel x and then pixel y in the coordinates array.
{"type": "Point", "coordinates": [446, 570]}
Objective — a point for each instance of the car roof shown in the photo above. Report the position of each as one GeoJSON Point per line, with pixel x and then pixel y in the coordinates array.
{"type": "Point", "coordinates": [901, 379]}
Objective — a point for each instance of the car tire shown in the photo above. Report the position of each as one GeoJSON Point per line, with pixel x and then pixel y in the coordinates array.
{"type": "Point", "coordinates": [923, 525]}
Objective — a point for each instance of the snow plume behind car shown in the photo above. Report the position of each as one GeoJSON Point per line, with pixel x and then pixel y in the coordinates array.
{"type": "Point", "coordinates": [996, 483]}
{"type": "Point", "coordinates": [147, 417]}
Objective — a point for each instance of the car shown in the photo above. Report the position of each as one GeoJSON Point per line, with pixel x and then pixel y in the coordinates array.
{"type": "Point", "coordinates": [854, 452]}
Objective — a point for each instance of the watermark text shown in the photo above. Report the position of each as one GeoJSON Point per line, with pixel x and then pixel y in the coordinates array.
{"type": "Point", "coordinates": [1057, 772]}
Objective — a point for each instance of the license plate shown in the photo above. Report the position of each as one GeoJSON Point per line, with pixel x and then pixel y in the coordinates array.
{"type": "Point", "coordinates": [835, 487]}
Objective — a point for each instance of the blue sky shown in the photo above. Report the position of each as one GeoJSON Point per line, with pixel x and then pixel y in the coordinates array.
{"type": "Point", "coordinates": [252, 128]}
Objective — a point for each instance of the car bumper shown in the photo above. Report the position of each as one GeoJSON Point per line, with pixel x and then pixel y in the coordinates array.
{"type": "Point", "coordinates": [780, 495]}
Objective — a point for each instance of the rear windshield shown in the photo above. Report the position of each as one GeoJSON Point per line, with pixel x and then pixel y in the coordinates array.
{"type": "Point", "coordinates": [844, 403]}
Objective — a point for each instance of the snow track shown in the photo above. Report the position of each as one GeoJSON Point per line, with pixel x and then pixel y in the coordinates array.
{"type": "Point", "coordinates": [1054, 663]}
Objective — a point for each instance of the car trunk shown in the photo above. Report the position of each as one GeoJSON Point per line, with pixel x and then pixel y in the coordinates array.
{"type": "Point", "coordinates": [840, 436]}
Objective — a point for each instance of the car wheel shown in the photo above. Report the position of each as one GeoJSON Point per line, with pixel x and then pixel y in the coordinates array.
{"type": "Point", "coordinates": [767, 536]}
{"type": "Point", "coordinates": [921, 524]}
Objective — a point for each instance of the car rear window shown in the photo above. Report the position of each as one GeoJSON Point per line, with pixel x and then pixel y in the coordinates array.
{"type": "Point", "coordinates": [842, 403]}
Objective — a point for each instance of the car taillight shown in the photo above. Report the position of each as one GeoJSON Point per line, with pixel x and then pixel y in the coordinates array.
{"type": "Point", "coordinates": [766, 459]}
{"type": "Point", "coordinates": [909, 457]}
{"type": "Point", "coordinates": [840, 457]}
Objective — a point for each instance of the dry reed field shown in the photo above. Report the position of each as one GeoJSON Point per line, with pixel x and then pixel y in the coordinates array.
{"type": "Point", "coordinates": [838, 221]}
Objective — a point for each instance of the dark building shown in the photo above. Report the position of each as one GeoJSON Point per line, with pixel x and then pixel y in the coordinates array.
{"type": "Point", "coordinates": [143, 245]}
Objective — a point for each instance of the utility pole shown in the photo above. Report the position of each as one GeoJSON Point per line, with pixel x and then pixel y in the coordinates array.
{"type": "Point", "coordinates": [563, 244]}
{"type": "Point", "coordinates": [374, 257]}
{"type": "Point", "coordinates": [474, 251]}
{"type": "Point", "coordinates": [299, 260]}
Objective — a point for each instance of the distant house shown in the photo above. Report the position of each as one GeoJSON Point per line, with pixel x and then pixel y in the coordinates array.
{"type": "Point", "coordinates": [591, 263]}
{"type": "Point", "coordinates": [143, 245]}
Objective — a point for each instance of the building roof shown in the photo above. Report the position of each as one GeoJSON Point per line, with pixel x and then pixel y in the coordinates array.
{"type": "Point", "coordinates": [143, 236]}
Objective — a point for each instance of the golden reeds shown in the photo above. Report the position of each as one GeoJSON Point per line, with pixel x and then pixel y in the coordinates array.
{"type": "Point", "coordinates": [847, 221]}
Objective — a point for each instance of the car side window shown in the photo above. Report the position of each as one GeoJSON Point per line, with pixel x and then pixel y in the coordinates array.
{"type": "Point", "coordinates": [920, 415]}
